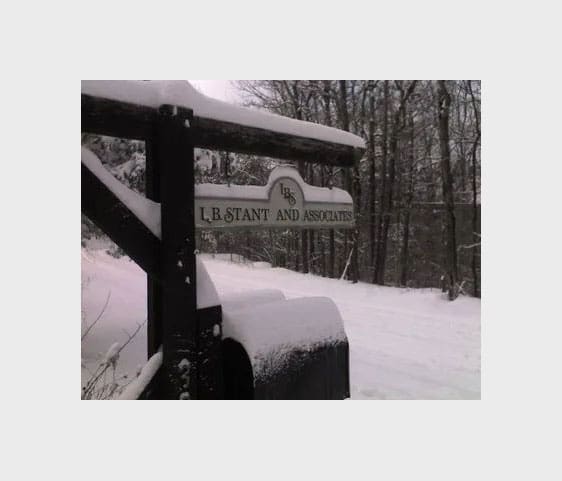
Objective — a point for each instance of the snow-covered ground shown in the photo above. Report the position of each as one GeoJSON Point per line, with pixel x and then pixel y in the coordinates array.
{"type": "Point", "coordinates": [405, 343]}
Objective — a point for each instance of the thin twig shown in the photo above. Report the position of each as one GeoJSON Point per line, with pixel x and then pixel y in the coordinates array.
{"type": "Point", "coordinates": [97, 318]}
{"type": "Point", "coordinates": [471, 246]}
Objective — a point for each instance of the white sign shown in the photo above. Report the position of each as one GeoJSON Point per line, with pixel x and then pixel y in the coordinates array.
{"type": "Point", "coordinates": [286, 201]}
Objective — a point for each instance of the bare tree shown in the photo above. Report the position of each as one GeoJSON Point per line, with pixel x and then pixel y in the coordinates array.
{"type": "Point", "coordinates": [378, 276]}
{"type": "Point", "coordinates": [372, 170]}
{"type": "Point", "coordinates": [328, 121]}
{"type": "Point", "coordinates": [443, 107]}
{"type": "Point", "coordinates": [474, 153]}
{"type": "Point", "coordinates": [404, 253]}
{"type": "Point", "coordinates": [398, 125]}
{"type": "Point", "coordinates": [408, 190]}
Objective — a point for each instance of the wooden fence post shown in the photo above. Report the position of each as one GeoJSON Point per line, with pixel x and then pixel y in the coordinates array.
{"type": "Point", "coordinates": [174, 150]}
{"type": "Point", "coordinates": [153, 288]}
{"type": "Point", "coordinates": [191, 340]}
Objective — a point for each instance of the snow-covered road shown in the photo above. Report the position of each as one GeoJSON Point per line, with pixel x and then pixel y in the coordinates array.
{"type": "Point", "coordinates": [405, 343]}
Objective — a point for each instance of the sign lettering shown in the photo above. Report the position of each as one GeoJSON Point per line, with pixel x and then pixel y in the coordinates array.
{"type": "Point", "coordinates": [286, 201]}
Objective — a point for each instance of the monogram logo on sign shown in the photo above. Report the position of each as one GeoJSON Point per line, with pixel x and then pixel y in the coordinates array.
{"type": "Point", "coordinates": [288, 194]}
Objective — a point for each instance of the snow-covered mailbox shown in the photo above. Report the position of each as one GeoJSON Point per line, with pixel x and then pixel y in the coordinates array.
{"type": "Point", "coordinates": [262, 346]}
{"type": "Point", "coordinates": [276, 348]}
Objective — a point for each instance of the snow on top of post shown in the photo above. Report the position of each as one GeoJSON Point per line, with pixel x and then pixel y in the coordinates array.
{"type": "Point", "coordinates": [154, 93]}
{"type": "Point", "coordinates": [268, 331]}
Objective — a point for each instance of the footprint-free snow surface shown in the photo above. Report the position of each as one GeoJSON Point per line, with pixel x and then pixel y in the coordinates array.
{"type": "Point", "coordinates": [404, 343]}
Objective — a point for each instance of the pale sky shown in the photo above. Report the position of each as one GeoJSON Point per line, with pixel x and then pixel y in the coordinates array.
{"type": "Point", "coordinates": [218, 89]}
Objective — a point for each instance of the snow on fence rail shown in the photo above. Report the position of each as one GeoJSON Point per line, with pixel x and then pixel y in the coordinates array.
{"type": "Point", "coordinates": [153, 93]}
{"type": "Point", "coordinates": [126, 108]}
{"type": "Point", "coordinates": [140, 383]}
{"type": "Point", "coordinates": [146, 210]}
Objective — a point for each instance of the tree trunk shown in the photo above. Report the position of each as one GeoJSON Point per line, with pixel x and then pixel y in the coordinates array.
{"type": "Point", "coordinates": [321, 233]}
{"type": "Point", "coordinates": [310, 232]}
{"type": "Point", "coordinates": [328, 122]}
{"type": "Point", "coordinates": [372, 185]}
{"type": "Point", "coordinates": [387, 201]}
{"type": "Point", "coordinates": [461, 129]}
{"type": "Point", "coordinates": [475, 237]}
{"type": "Point", "coordinates": [356, 193]}
{"type": "Point", "coordinates": [404, 253]}
{"type": "Point", "coordinates": [378, 277]}
{"type": "Point", "coordinates": [302, 171]}
{"type": "Point", "coordinates": [304, 237]}
{"type": "Point", "coordinates": [444, 103]}
{"type": "Point", "coordinates": [347, 176]}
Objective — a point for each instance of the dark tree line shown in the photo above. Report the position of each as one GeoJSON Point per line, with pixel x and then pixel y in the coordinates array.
{"type": "Point", "coordinates": [416, 190]}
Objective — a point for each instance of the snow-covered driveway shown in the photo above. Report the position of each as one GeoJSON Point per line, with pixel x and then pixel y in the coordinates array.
{"type": "Point", "coordinates": [405, 343]}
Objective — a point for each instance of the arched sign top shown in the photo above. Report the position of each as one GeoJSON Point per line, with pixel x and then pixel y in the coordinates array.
{"type": "Point", "coordinates": [311, 192]}
{"type": "Point", "coordinates": [285, 201]}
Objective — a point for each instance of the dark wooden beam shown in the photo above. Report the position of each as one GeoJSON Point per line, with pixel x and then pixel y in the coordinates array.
{"type": "Point", "coordinates": [190, 338]}
{"type": "Point", "coordinates": [219, 135]}
{"type": "Point", "coordinates": [120, 119]}
{"type": "Point", "coordinates": [153, 288]}
{"type": "Point", "coordinates": [179, 305]}
{"type": "Point", "coordinates": [116, 119]}
{"type": "Point", "coordinates": [103, 208]}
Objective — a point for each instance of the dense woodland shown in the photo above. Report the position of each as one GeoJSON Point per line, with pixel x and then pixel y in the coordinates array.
{"type": "Point", "coordinates": [416, 190]}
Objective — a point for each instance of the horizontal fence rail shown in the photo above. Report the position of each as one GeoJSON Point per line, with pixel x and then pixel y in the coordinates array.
{"type": "Point", "coordinates": [121, 119]}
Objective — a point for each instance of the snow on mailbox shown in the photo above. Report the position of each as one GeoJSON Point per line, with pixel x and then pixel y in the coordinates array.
{"type": "Point", "coordinates": [285, 201]}
{"type": "Point", "coordinates": [277, 348]}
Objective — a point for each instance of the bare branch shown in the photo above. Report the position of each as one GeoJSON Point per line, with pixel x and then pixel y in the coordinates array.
{"type": "Point", "coordinates": [97, 318]}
